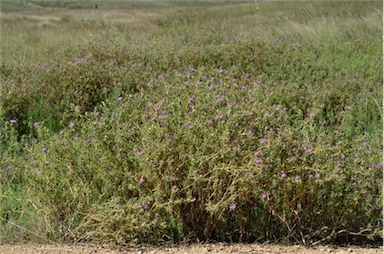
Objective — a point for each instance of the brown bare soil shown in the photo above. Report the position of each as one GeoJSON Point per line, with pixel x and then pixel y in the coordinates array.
{"type": "Point", "coordinates": [184, 249]}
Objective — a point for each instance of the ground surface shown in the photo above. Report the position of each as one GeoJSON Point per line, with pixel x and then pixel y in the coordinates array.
{"type": "Point", "coordinates": [184, 249]}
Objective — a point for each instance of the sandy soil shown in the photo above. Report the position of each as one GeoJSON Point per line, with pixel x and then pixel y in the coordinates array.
{"type": "Point", "coordinates": [184, 249]}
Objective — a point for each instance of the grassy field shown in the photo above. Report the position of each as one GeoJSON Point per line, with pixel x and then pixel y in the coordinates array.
{"type": "Point", "coordinates": [165, 121]}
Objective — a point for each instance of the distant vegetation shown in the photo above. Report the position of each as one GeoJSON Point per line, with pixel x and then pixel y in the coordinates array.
{"type": "Point", "coordinates": [133, 123]}
{"type": "Point", "coordinates": [28, 5]}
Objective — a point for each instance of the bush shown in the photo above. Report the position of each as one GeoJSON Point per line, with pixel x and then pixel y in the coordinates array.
{"type": "Point", "coordinates": [204, 155]}
{"type": "Point", "coordinates": [203, 126]}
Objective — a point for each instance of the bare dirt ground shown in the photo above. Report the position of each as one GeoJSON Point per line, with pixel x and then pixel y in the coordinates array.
{"type": "Point", "coordinates": [185, 249]}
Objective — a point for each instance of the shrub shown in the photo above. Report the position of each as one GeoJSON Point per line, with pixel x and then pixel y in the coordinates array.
{"type": "Point", "coordinates": [203, 154]}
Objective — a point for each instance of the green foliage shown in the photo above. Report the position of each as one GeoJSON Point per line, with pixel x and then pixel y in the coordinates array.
{"type": "Point", "coordinates": [197, 128]}
{"type": "Point", "coordinates": [203, 154]}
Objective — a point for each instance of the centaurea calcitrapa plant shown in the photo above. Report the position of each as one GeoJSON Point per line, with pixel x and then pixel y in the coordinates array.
{"type": "Point", "coordinates": [203, 155]}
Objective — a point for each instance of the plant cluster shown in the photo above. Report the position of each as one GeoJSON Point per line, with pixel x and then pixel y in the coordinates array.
{"type": "Point", "coordinates": [207, 135]}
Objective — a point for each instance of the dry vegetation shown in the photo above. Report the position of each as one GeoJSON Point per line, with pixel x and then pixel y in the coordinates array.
{"type": "Point", "coordinates": [165, 122]}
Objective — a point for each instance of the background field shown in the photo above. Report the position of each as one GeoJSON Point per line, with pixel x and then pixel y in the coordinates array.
{"type": "Point", "coordinates": [167, 121]}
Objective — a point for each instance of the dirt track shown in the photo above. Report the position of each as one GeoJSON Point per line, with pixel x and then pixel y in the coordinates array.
{"type": "Point", "coordinates": [184, 249]}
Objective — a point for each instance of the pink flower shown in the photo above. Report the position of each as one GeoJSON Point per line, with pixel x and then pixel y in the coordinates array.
{"type": "Point", "coordinates": [233, 206]}
{"type": "Point", "coordinates": [263, 196]}
{"type": "Point", "coordinates": [36, 124]}
{"type": "Point", "coordinates": [283, 175]}
{"type": "Point", "coordinates": [13, 121]}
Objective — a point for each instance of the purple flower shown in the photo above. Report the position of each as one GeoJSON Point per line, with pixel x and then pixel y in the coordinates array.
{"type": "Point", "coordinates": [190, 126]}
{"type": "Point", "coordinates": [317, 175]}
{"type": "Point", "coordinates": [174, 187]}
{"type": "Point", "coordinates": [44, 149]}
{"type": "Point", "coordinates": [256, 153]}
{"type": "Point", "coordinates": [36, 124]}
{"type": "Point", "coordinates": [310, 175]}
{"type": "Point", "coordinates": [283, 175]}
{"type": "Point", "coordinates": [141, 180]}
{"type": "Point", "coordinates": [71, 124]}
{"type": "Point", "coordinates": [119, 98]}
{"type": "Point", "coordinates": [297, 177]}
{"type": "Point", "coordinates": [145, 207]}
{"type": "Point", "coordinates": [61, 132]}
{"type": "Point", "coordinates": [79, 60]}
{"type": "Point", "coordinates": [13, 121]}
{"type": "Point", "coordinates": [170, 139]}
{"type": "Point", "coordinates": [233, 206]}
{"type": "Point", "coordinates": [263, 196]}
